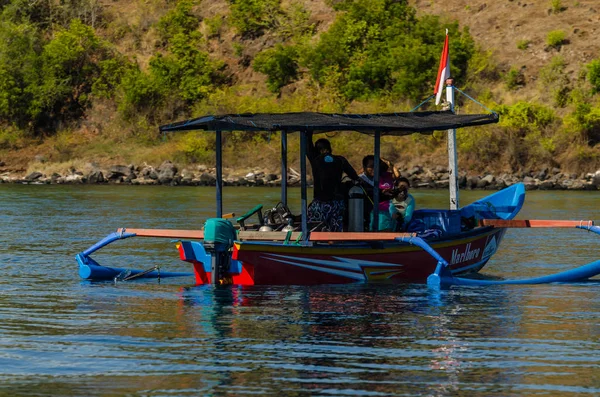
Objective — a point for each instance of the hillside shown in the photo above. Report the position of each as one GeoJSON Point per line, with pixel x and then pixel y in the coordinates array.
{"type": "Point", "coordinates": [498, 26]}
{"type": "Point", "coordinates": [551, 115]}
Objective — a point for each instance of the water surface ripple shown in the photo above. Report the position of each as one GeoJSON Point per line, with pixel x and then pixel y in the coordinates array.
{"type": "Point", "coordinates": [63, 336]}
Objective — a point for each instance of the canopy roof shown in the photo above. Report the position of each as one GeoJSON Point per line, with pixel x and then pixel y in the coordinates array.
{"type": "Point", "coordinates": [386, 123]}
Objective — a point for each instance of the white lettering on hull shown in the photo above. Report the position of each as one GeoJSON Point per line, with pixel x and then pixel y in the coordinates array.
{"type": "Point", "coordinates": [466, 255]}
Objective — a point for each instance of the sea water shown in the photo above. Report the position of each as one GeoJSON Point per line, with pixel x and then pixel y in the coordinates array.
{"type": "Point", "coordinates": [63, 336]}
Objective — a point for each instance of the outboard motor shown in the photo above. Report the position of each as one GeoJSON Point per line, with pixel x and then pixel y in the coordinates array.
{"type": "Point", "coordinates": [219, 235]}
{"type": "Point", "coordinates": [356, 221]}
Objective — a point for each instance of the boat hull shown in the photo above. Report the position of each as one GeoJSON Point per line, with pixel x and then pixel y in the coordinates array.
{"type": "Point", "coordinates": [270, 263]}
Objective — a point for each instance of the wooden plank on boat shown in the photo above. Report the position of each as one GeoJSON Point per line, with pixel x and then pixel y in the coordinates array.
{"type": "Point", "coordinates": [249, 235]}
{"type": "Point", "coordinates": [166, 233]}
{"type": "Point", "coordinates": [520, 223]}
{"type": "Point", "coordinates": [357, 236]}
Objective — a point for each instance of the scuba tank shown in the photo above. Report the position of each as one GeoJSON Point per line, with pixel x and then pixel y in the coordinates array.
{"type": "Point", "coordinates": [356, 221]}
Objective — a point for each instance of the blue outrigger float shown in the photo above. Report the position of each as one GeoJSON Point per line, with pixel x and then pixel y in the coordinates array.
{"type": "Point", "coordinates": [296, 252]}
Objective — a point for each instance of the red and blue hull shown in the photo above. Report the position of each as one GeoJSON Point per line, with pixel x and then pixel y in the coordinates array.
{"type": "Point", "coordinates": [271, 263]}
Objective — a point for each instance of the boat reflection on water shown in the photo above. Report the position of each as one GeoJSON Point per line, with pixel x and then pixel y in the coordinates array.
{"type": "Point", "coordinates": [359, 337]}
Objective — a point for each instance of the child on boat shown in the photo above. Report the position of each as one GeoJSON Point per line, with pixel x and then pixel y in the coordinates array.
{"type": "Point", "coordinates": [404, 203]}
{"type": "Point", "coordinates": [387, 214]}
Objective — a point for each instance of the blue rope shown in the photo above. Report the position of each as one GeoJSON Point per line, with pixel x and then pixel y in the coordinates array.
{"type": "Point", "coordinates": [477, 102]}
{"type": "Point", "coordinates": [422, 103]}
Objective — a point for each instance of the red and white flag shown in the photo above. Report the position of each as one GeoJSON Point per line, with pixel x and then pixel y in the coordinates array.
{"type": "Point", "coordinates": [443, 72]}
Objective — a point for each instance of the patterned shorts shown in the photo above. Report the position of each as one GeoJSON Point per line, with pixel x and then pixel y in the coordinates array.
{"type": "Point", "coordinates": [329, 212]}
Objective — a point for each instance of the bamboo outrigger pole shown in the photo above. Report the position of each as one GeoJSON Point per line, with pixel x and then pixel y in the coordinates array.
{"type": "Point", "coordinates": [535, 223]}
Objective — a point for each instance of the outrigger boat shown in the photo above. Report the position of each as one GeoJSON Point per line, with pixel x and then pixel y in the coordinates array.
{"type": "Point", "coordinates": [224, 253]}
{"type": "Point", "coordinates": [296, 252]}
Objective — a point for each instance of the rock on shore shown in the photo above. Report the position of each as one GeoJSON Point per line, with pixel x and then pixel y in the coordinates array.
{"type": "Point", "coordinates": [169, 174]}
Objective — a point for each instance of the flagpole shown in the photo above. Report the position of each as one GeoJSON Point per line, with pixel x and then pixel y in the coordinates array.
{"type": "Point", "coordinates": [452, 154]}
{"type": "Point", "coordinates": [444, 79]}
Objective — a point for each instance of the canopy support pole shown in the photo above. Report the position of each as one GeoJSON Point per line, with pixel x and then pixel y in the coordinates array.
{"type": "Point", "coordinates": [376, 170]}
{"type": "Point", "coordinates": [452, 155]}
{"type": "Point", "coordinates": [284, 167]}
{"type": "Point", "coordinates": [219, 152]}
{"type": "Point", "coordinates": [303, 201]}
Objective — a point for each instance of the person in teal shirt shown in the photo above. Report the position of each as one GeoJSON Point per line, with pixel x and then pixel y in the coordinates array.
{"type": "Point", "coordinates": [403, 203]}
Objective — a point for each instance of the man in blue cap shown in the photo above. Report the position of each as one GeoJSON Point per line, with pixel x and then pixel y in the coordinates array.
{"type": "Point", "coordinates": [328, 203]}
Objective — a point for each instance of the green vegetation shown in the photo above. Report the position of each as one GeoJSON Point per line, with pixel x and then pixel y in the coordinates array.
{"type": "Point", "coordinates": [528, 133]}
{"type": "Point", "coordinates": [379, 48]}
{"type": "Point", "coordinates": [554, 82]}
{"type": "Point", "coordinates": [45, 83]}
{"type": "Point", "coordinates": [523, 44]}
{"type": "Point", "coordinates": [253, 17]}
{"type": "Point", "coordinates": [593, 75]}
{"type": "Point", "coordinates": [82, 80]}
{"type": "Point", "coordinates": [214, 25]}
{"type": "Point", "coordinates": [279, 64]}
{"type": "Point", "coordinates": [583, 123]}
{"type": "Point", "coordinates": [514, 79]}
{"type": "Point", "coordinates": [555, 38]}
{"type": "Point", "coordinates": [177, 22]}
{"type": "Point", "coordinates": [556, 6]}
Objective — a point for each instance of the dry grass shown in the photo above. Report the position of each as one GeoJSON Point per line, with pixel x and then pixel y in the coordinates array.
{"type": "Point", "coordinates": [500, 25]}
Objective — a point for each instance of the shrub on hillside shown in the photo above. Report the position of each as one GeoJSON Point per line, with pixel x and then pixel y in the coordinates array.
{"type": "Point", "coordinates": [214, 25]}
{"type": "Point", "coordinates": [525, 116]}
{"type": "Point", "coordinates": [556, 6]}
{"type": "Point", "coordinates": [27, 12]}
{"type": "Point", "coordinates": [554, 82]}
{"type": "Point", "coordinates": [140, 94]}
{"type": "Point", "coordinates": [47, 84]}
{"type": "Point", "coordinates": [69, 69]}
{"type": "Point", "coordinates": [176, 78]}
{"type": "Point", "coordinates": [514, 78]}
{"type": "Point", "coordinates": [279, 64]}
{"type": "Point", "coordinates": [197, 148]}
{"type": "Point", "coordinates": [186, 71]}
{"type": "Point", "coordinates": [294, 22]}
{"type": "Point", "coordinates": [523, 44]}
{"type": "Point", "coordinates": [253, 17]}
{"type": "Point", "coordinates": [529, 135]}
{"type": "Point", "coordinates": [379, 47]}
{"type": "Point", "coordinates": [179, 20]}
{"type": "Point", "coordinates": [556, 38]}
{"type": "Point", "coordinates": [593, 75]}
{"type": "Point", "coordinates": [111, 71]}
{"type": "Point", "coordinates": [584, 120]}
{"type": "Point", "coordinates": [20, 45]}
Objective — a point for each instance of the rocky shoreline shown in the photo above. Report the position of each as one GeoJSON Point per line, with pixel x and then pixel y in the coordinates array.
{"type": "Point", "coordinates": [420, 178]}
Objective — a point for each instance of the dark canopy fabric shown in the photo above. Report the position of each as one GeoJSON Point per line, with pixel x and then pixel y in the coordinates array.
{"type": "Point", "coordinates": [387, 123]}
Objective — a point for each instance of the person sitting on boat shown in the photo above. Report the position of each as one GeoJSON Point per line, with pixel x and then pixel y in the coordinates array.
{"type": "Point", "coordinates": [404, 203]}
{"type": "Point", "coordinates": [386, 188]}
{"type": "Point", "coordinates": [328, 203]}
{"type": "Point", "coordinates": [388, 214]}
{"type": "Point", "coordinates": [368, 173]}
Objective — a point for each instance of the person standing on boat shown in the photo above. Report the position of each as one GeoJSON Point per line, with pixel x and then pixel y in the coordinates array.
{"type": "Point", "coordinates": [328, 203]}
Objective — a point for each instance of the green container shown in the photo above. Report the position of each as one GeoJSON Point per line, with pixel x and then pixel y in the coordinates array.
{"type": "Point", "coordinates": [219, 231]}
